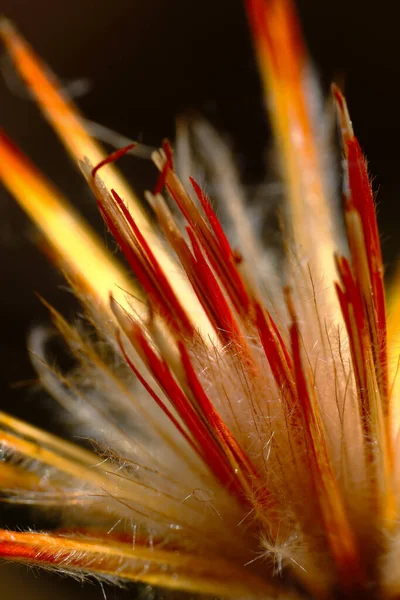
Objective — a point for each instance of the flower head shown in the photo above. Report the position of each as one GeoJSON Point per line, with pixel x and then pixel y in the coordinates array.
{"type": "Point", "coordinates": [244, 422]}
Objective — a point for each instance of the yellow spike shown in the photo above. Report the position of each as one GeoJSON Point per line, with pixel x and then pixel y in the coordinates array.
{"type": "Point", "coordinates": [13, 477]}
{"type": "Point", "coordinates": [99, 478]}
{"type": "Point", "coordinates": [63, 115]}
{"type": "Point", "coordinates": [393, 324]}
{"type": "Point", "coordinates": [73, 245]}
{"type": "Point", "coordinates": [52, 458]}
{"type": "Point", "coordinates": [393, 340]}
{"type": "Point", "coordinates": [42, 438]}
{"type": "Point", "coordinates": [83, 465]}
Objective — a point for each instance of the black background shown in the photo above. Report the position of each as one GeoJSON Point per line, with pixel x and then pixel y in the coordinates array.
{"type": "Point", "coordinates": [148, 61]}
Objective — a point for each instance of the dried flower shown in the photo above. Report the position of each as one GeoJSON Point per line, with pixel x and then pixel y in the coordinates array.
{"type": "Point", "coordinates": [244, 422]}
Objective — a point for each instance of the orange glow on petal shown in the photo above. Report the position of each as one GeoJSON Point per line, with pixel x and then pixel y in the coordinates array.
{"type": "Point", "coordinates": [76, 248]}
{"type": "Point", "coordinates": [284, 70]}
{"type": "Point", "coordinates": [393, 339]}
{"type": "Point", "coordinates": [154, 566]}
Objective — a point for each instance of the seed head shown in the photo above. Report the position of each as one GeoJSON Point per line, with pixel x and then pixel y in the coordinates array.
{"type": "Point", "coordinates": [242, 410]}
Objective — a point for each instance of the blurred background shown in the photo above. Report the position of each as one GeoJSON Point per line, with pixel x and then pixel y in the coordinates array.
{"type": "Point", "coordinates": [135, 65]}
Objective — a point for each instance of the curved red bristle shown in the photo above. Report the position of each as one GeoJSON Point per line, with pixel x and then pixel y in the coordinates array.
{"type": "Point", "coordinates": [168, 153]}
{"type": "Point", "coordinates": [146, 267]}
{"type": "Point", "coordinates": [241, 466]}
{"type": "Point", "coordinates": [114, 156]}
{"type": "Point", "coordinates": [210, 450]}
{"type": "Point", "coordinates": [168, 166]}
{"type": "Point", "coordinates": [161, 179]}
{"type": "Point", "coordinates": [212, 218]}
{"type": "Point", "coordinates": [326, 489]}
{"type": "Point", "coordinates": [211, 296]}
{"type": "Point", "coordinates": [166, 295]}
{"type": "Point", "coordinates": [278, 357]}
{"type": "Point", "coordinates": [155, 396]}
{"type": "Point", "coordinates": [361, 199]}
{"type": "Point", "coordinates": [213, 241]}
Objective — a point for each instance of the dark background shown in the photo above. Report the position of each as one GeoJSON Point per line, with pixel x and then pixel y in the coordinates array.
{"type": "Point", "coordinates": [146, 62]}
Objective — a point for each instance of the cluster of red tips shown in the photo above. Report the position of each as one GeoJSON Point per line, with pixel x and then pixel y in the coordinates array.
{"type": "Point", "coordinates": [236, 314]}
{"type": "Point", "coordinates": [362, 299]}
{"type": "Point", "coordinates": [211, 267]}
